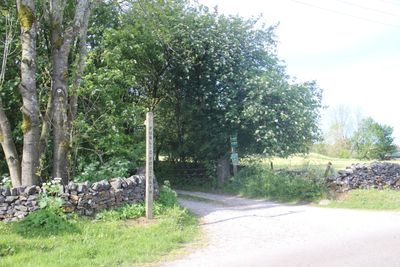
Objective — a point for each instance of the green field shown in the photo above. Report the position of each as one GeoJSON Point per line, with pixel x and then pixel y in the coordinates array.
{"type": "Point", "coordinates": [314, 161]}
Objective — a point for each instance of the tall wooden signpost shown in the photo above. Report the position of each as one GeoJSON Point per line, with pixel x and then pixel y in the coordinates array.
{"type": "Point", "coordinates": [149, 165]}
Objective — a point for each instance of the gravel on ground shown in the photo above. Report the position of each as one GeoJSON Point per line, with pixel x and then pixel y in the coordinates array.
{"type": "Point", "coordinates": [248, 232]}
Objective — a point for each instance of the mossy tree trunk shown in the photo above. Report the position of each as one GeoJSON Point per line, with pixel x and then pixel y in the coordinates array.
{"type": "Point", "coordinates": [62, 38]}
{"type": "Point", "coordinates": [30, 107]}
{"type": "Point", "coordinates": [6, 139]}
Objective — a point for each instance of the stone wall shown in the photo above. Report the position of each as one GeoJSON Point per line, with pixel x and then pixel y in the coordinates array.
{"type": "Point", "coordinates": [83, 198]}
{"type": "Point", "coordinates": [364, 176]}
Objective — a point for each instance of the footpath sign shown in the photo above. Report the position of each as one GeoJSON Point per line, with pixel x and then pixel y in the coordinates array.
{"type": "Point", "coordinates": [149, 165]}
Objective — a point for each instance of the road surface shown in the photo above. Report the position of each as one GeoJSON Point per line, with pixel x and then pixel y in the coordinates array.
{"type": "Point", "coordinates": [245, 232]}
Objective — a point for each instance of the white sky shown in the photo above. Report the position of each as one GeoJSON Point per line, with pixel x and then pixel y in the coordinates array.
{"type": "Point", "coordinates": [350, 47]}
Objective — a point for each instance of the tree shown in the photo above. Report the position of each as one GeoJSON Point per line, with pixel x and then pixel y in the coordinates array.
{"type": "Point", "coordinates": [6, 137]}
{"type": "Point", "coordinates": [373, 140]}
{"type": "Point", "coordinates": [208, 76]}
{"type": "Point", "coordinates": [64, 103]}
{"type": "Point", "coordinates": [62, 26]}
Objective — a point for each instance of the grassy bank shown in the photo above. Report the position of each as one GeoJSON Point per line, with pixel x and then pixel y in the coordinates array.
{"type": "Point", "coordinates": [368, 199]}
{"type": "Point", "coordinates": [115, 238]}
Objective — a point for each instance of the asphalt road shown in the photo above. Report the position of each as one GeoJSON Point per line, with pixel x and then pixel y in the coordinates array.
{"type": "Point", "coordinates": [244, 232]}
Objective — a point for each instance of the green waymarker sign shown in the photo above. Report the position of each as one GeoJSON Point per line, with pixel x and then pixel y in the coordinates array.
{"type": "Point", "coordinates": [235, 158]}
{"type": "Point", "coordinates": [234, 142]}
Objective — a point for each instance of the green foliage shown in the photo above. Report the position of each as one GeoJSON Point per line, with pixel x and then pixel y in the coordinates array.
{"type": "Point", "coordinates": [7, 250]}
{"type": "Point", "coordinates": [373, 140]}
{"type": "Point", "coordinates": [133, 211]}
{"type": "Point", "coordinates": [51, 187]}
{"type": "Point", "coordinates": [259, 181]}
{"type": "Point", "coordinates": [205, 75]}
{"type": "Point", "coordinates": [6, 181]}
{"type": "Point", "coordinates": [114, 168]}
{"type": "Point", "coordinates": [47, 221]}
{"type": "Point", "coordinates": [168, 197]}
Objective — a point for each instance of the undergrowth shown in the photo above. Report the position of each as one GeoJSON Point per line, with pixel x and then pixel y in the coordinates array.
{"type": "Point", "coordinates": [257, 180]}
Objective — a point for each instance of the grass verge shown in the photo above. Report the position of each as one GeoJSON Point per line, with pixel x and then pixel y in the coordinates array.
{"type": "Point", "coordinates": [371, 199]}
{"type": "Point", "coordinates": [48, 238]}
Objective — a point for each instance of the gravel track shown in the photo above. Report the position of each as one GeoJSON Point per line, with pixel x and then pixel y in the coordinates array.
{"type": "Point", "coordinates": [247, 232]}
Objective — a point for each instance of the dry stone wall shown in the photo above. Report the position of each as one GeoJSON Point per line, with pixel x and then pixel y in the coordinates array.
{"type": "Point", "coordinates": [364, 176]}
{"type": "Point", "coordinates": [83, 198]}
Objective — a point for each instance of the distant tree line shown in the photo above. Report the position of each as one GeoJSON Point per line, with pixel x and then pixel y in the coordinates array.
{"type": "Point", "coordinates": [351, 135]}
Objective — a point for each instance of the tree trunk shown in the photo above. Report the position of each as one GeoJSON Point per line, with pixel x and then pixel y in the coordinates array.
{"type": "Point", "coordinates": [61, 43]}
{"type": "Point", "coordinates": [30, 108]}
{"type": "Point", "coordinates": [80, 65]}
{"type": "Point", "coordinates": [10, 152]}
{"type": "Point", "coordinates": [6, 140]}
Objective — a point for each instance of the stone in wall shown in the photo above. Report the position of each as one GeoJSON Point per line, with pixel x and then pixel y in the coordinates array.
{"type": "Point", "coordinates": [364, 176]}
{"type": "Point", "coordinates": [83, 198]}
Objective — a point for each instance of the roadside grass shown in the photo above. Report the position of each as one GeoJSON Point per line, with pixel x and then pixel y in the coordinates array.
{"type": "Point", "coordinates": [370, 199]}
{"type": "Point", "coordinates": [120, 237]}
{"type": "Point", "coordinates": [99, 243]}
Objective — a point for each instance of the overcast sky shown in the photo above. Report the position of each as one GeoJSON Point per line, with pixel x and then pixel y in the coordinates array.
{"type": "Point", "coordinates": [350, 47]}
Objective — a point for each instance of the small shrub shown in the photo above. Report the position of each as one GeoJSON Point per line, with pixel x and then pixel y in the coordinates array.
{"type": "Point", "coordinates": [45, 222]}
{"type": "Point", "coordinates": [168, 197]}
{"type": "Point", "coordinates": [49, 220]}
{"type": "Point", "coordinates": [126, 212]}
{"type": "Point", "coordinates": [52, 187]}
{"type": "Point", "coordinates": [114, 168]}
{"type": "Point", "coordinates": [6, 181]}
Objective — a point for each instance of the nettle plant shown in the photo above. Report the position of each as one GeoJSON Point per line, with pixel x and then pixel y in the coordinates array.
{"type": "Point", "coordinates": [6, 181]}
{"type": "Point", "coordinates": [52, 187]}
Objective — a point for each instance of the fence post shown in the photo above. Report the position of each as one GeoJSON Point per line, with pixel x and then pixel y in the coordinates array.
{"type": "Point", "coordinates": [328, 169]}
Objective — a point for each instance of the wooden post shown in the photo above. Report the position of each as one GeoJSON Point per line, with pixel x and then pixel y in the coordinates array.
{"type": "Point", "coordinates": [149, 165]}
{"type": "Point", "coordinates": [328, 169]}
{"type": "Point", "coordinates": [235, 169]}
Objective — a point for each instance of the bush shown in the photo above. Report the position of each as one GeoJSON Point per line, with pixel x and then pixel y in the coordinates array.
{"type": "Point", "coordinates": [96, 171]}
{"type": "Point", "coordinates": [259, 181]}
{"type": "Point", "coordinates": [168, 197]}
